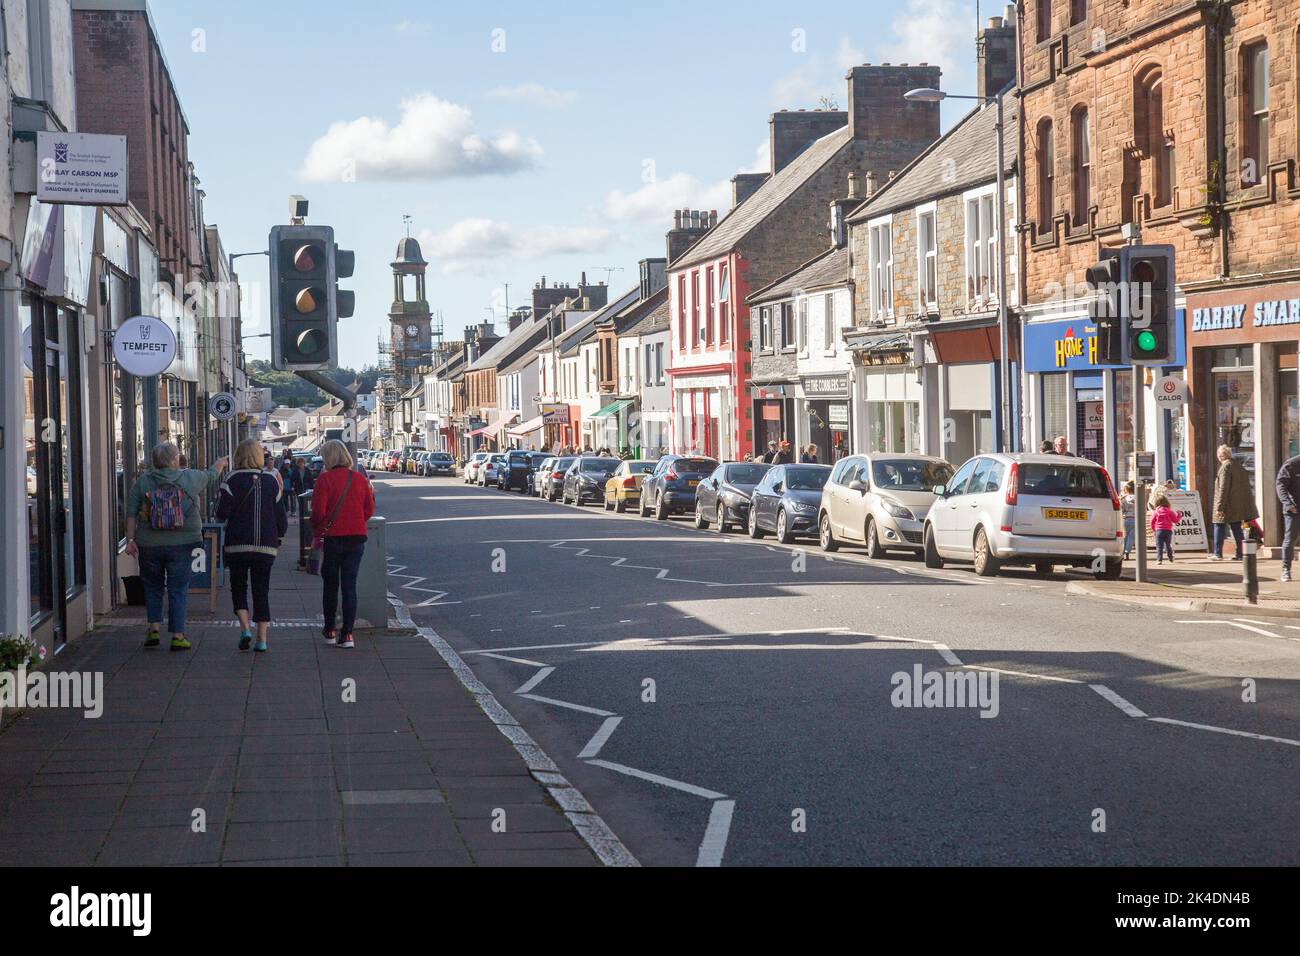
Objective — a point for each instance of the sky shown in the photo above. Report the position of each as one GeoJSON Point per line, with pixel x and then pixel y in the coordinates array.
{"type": "Point", "coordinates": [523, 140]}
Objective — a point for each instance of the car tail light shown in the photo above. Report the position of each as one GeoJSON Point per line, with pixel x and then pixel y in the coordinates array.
{"type": "Point", "coordinates": [670, 475]}
{"type": "Point", "coordinates": [1006, 529]}
{"type": "Point", "coordinates": [557, 474]}
{"type": "Point", "coordinates": [629, 482]}
{"type": "Point", "coordinates": [1110, 486]}
{"type": "Point", "coordinates": [1013, 486]}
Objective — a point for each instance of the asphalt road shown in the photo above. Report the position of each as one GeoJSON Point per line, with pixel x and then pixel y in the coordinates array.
{"type": "Point", "coordinates": [724, 701]}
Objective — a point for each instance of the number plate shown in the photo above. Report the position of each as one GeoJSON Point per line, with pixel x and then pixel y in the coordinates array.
{"type": "Point", "coordinates": [691, 483]}
{"type": "Point", "coordinates": [1065, 514]}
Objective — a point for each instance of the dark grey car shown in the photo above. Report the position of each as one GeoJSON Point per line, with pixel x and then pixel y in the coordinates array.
{"type": "Point", "coordinates": [723, 498]}
{"type": "Point", "coordinates": [585, 479]}
{"type": "Point", "coordinates": [785, 502]}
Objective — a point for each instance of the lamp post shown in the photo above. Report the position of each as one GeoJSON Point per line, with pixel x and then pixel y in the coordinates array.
{"type": "Point", "coordinates": [234, 355]}
{"type": "Point", "coordinates": [1004, 366]}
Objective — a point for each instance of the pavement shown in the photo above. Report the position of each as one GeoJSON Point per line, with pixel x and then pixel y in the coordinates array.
{"type": "Point", "coordinates": [1192, 582]}
{"type": "Point", "coordinates": [724, 701]}
{"type": "Point", "coordinates": [308, 755]}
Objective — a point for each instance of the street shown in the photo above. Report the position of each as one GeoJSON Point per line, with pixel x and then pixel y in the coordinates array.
{"type": "Point", "coordinates": [726, 701]}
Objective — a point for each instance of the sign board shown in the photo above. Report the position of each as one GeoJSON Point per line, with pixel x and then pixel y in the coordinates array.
{"type": "Point", "coordinates": [144, 346]}
{"type": "Point", "coordinates": [1144, 465]}
{"type": "Point", "coordinates": [221, 406]}
{"type": "Point", "coordinates": [555, 413]}
{"type": "Point", "coordinates": [838, 415]}
{"type": "Point", "coordinates": [1094, 415]}
{"type": "Point", "coordinates": [81, 169]}
{"type": "Point", "coordinates": [1189, 535]}
{"type": "Point", "coordinates": [1170, 393]}
{"type": "Point", "coordinates": [834, 385]}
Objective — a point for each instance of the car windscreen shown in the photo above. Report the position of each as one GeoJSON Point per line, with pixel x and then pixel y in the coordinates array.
{"type": "Point", "coordinates": [562, 464]}
{"type": "Point", "coordinates": [537, 460]}
{"type": "Point", "coordinates": [909, 474]}
{"type": "Point", "coordinates": [1064, 480]}
{"type": "Point", "coordinates": [640, 467]}
{"type": "Point", "coordinates": [806, 479]}
{"type": "Point", "coordinates": [745, 474]}
{"type": "Point", "coordinates": [440, 456]}
{"type": "Point", "coordinates": [604, 466]}
{"type": "Point", "coordinates": [695, 465]}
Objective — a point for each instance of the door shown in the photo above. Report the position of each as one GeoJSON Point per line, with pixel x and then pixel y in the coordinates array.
{"type": "Point", "coordinates": [943, 513]}
{"type": "Point", "coordinates": [765, 497]}
{"type": "Point", "coordinates": [968, 504]}
{"type": "Point", "coordinates": [853, 503]}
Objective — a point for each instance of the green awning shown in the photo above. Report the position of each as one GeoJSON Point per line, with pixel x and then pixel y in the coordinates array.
{"type": "Point", "coordinates": [613, 408]}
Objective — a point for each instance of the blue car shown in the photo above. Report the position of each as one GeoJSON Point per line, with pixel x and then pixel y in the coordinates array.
{"type": "Point", "coordinates": [671, 487]}
{"type": "Point", "coordinates": [785, 502]}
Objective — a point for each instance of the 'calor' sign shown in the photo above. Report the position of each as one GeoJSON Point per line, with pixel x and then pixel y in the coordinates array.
{"type": "Point", "coordinates": [144, 346]}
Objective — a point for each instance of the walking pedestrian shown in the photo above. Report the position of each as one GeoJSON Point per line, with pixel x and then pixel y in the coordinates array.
{"type": "Point", "coordinates": [255, 526]}
{"type": "Point", "coordinates": [1163, 521]}
{"type": "Point", "coordinates": [285, 469]}
{"type": "Point", "coordinates": [784, 455]}
{"type": "Point", "coordinates": [342, 502]}
{"type": "Point", "coordinates": [1234, 502]}
{"type": "Point", "coordinates": [770, 453]}
{"type": "Point", "coordinates": [1061, 446]}
{"type": "Point", "coordinates": [1288, 493]}
{"type": "Point", "coordinates": [164, 525]}
{"type": "Point", "coordinates": [809, 456]}
{"type": "Point", "coordinates": [1128, 508]}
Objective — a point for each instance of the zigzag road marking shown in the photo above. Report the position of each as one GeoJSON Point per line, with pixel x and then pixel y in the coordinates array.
{"type": "Point", "coordinates": [415, 579]}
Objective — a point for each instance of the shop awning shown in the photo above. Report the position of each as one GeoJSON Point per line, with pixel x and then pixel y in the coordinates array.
{"type": "Point", "coordinates": [613, 408]}
{"type": "Point", "coordinates": [494, 429]}
{"type": "Point", "coordinates": [527, 428]}
{"type": "Point", "coordinates": [477, 431]}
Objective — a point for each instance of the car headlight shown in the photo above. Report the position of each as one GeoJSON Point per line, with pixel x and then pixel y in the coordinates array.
{"type": "Point", "coordinates": [803, 508]}
{"type": "Point", "coordinates": [898, 511]}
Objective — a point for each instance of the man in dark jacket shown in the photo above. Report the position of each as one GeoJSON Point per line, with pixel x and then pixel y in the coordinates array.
{"type": "Point", "coordinates": [1288, 493]}
{"type": "Point", "coordinates": [785, 456]}
{"type": "Point", "coordinates": [770, 453]}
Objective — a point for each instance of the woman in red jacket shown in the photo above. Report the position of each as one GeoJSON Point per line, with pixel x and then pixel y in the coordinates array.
{"type": "Point", "coordinates": [341, 503]}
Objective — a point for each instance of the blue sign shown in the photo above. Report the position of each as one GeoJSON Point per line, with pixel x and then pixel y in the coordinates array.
{"type": "Point", "coordinates": [1071, 345]}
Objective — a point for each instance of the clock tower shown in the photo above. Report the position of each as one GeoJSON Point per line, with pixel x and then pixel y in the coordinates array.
{"type": "Point", "coordinates": [410, 322]}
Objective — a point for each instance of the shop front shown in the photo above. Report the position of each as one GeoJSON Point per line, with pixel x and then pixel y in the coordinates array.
{"type": "Point", "coordinates": [774, 415]}
{"type": "Point", "coordinates": [704, 413]}
{"type": "Point", "coordinates": [888, 403]}
{"type": "Point", "coordinates": [822, 403]}
{"type": "Point", "coordinates": [1244, 392]}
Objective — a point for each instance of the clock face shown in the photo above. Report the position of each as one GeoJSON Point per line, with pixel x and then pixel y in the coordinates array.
{"type": "Point", "coordinates": [412, 330]}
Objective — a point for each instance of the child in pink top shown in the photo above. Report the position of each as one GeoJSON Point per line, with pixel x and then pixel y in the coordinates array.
{"type": "Point", "coordinates": [1163, 521]}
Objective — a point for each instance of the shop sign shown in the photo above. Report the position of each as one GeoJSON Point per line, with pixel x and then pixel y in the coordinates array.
{"type": "Point", "coordinates": [1072, 345]}
{"type": "Point", "coordinates": [555, 413]}
{"type": "Point", "coordinates": [1265, 313]}
{"type": "Point", "coordinates": [83, 169]}
{"type": "Point", "coordinates": [1094, 415]}
{"type": "Point", "coordinates": [836, 385]}
{"type": "Point", "coordinates": [1170, 393]}
{"type": "Point", "coordinates": [838, 415]}
{"type": "Point", "coordinates": [222, 406]}
{"type": "Point", "coordinates": [1189, 533]}
{"type": "Point", "coordinates": [144, 346]}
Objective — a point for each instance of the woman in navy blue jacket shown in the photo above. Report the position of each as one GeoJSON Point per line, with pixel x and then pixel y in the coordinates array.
{"type": "Point", "coordinates": [255, 524]}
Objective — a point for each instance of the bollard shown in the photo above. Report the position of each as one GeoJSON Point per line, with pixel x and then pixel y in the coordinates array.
{"type": "Point", "coordinates": [1250, 567]}
{"type": "Point", "coordinates": [304, 529]}
{"type": "Point", "coordinates": [372, 578]}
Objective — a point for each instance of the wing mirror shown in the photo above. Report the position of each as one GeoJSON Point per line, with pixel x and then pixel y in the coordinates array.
{"type": "Point", "coordinates": [940, 491]}
{"type": "Point", "coordinates": [778, 488]}
{"type": "Point", "coordinates": [858, 485]}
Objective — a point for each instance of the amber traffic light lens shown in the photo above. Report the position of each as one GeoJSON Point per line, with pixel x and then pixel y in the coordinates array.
{"type": "Point", "coordinates": [307, 301]}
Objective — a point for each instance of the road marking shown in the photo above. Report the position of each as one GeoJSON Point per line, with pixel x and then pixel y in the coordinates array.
{"type": "Point", "coordinates": [513, 660]}
{"type": "Point", "coordinates": [1117, 700]}
{"type": "Point", "coordinates": [536, 679]}
{"type": "Point", "coordinates": [599, 739]}
{"type": "Point", "coordinates": [1227, 730]}
{"type": "Point", "coordinates": [946, 653]}
{"type": "Point", "coordinates": [1247, 627]}
{"type": "Point", "coordinates": [656, 778]}
{"type": "Point", "coordinates": [714, 843]}
{"type": "Point", "coordinates": [533, 647]}
{"type": "Point", "coordinates": [583, 708]}
{"type": "Point", "coordinates": [999, 670]}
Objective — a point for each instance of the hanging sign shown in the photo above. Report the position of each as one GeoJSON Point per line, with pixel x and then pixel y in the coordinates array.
{"type": "Point", "coordinates": [1170, 393]}
{"type": "Point", "coordinates": [222, 406]}
{"type": "Point", "coordinates": [85, 169]}
{"type": "Point", "coordinates": [144, 346]}
{"type": "Point", "coordinates": [555, 413]}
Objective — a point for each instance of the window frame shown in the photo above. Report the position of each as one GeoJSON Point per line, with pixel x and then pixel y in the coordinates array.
{"type": "Point", "coordinates": [1044, 164]}
{"type": "Point", "coordinates": [1080, 164]}
{"type": "Point", "coordinates": [927, 260]}
{"type": "Point", "coordinates": [1255, 120]}
{"type": "Point", "coordinates": [880, 259]}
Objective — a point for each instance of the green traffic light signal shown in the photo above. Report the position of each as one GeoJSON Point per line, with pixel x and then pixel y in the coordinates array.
{"type": "Point", "coordinates": [1145, 341]}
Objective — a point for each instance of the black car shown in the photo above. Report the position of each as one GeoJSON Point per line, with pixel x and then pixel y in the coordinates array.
{"type": "Point", "coordinates": [438, 463]}
{"type": "Point", "coordinates": [723, 497]}
{"type": "Point", "coordinates": [519, 469]}
{"type": "Point", "coordinates": [551, 481]}
{"type": "Point", "coordinates": [585, 479]}
{"type": "Point", "coordinates": [786, 501]}
{"type": "Point", "coordinates": [670, 488]}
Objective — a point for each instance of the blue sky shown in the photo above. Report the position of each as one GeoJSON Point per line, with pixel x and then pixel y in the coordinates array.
{"type": "Point", "coordinates": [524, 140]}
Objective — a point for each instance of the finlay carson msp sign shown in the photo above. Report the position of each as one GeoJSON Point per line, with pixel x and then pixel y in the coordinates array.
{"type": "Point", "coordinates": [82, 169]}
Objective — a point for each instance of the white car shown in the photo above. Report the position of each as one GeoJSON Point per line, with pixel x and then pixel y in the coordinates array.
{"type": "Point", "coordinates": [879, 501]}
{"type": "Point", "coordinates": [471, 466]}
{"type": "Point", "coordinates": [487, 472]}
{"type": "Point", "coordinates": [1027, 509]}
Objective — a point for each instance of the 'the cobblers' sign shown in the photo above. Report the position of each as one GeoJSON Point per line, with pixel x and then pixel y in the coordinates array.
{"type": "Point", "coordinates": [144, 346]}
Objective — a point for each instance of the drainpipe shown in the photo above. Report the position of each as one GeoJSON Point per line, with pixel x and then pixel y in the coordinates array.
{"type": "Point", "coordinates": [1219, 33]}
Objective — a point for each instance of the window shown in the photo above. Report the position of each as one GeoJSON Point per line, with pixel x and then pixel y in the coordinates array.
{"type": "Point", "coordinates": [787, 325]}
{"type": "Point", "coordinates": [927, 258]}
{"type": "Point", "coordinates": [1046, 177]}
{"type": "Point", "coordinates": [681, 312]}
{"type": "Point", "coordinates": [830, 327]}
{"type": "Point", "coordinates": [981, 248]}
{"type": "Point", "coordinates": [697, 300]}
{"type": "Point", "coordinates": [649, 364]}
{"type": "Point", "coordinates": [1081, 163]}
{"type": "Point", "coordinates": [659, 363]}
{"type": "Point", "coordinates": [1149, 132]}
{"type": "Point", "coordinates": [765, 328]}
{"type": "Point", "coordinates": [1254, 74]}
{"type": "Point", "coordinates": [707, 335]}
{"type": "Point", "coordinates": [40, 53]}
{"type": "Point", "coordinates": [1043, 19]}
{"type": "Point", "coordinates": [882, 270]}
{"type": "Point", "coordinates": [803, 324]}
{"type": "Point", "coordinates": [1078, 11]}
{"type": "Point", "coordinates": [724, 304]}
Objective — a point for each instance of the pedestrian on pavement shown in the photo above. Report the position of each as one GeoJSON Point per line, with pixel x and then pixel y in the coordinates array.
{"type": "Point", "coordinates": [1163, 521]}
{"type": "Point", "coordinates": [1045, 447]}
{"type": "Point", "coordinates": [255, 525]}
{"type": "Point", "coordinates": [784, 455]}
{"type": "Point", "coordinates": [1288, 493]}
{"type": "Point", "coordinates": [1234, 502]}
{"type": "Point", "coordinates": [341, 504]}
{"type": "Point", "coordinates": [770, 453]}
{"type": "Point", "coordinates": [1128, 508]}
{"type": "Point", "coordinates": [809, 456]}
{"type": "Point", "coordinates": [1061, 446]}
{"type": "Point", "coordinates": [164, 525]}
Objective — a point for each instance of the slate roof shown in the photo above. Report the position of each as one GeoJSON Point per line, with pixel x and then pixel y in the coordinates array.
{"type": "Point", "coordinates": [962, 158]}
{"type": "Point", "coordinates": [505, 349]}
{"type": "Point", "coordinates": [766, 199]}
{"type": "Point", "coordinates": [658, 319]}
{"type": "Point", "coordinates": [634, 313]}
{"type": "Point", "coordinates": [828, 270]}
{"type": "Point", "coordinates": [586, 328]}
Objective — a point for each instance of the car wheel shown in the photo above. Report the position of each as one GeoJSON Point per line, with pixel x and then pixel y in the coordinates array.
{"type": "Point", "coordinates": [932, 558]}
{"type": "Point", "coordinates": [986, 566]}
{"type": "Point", "coordinates": [701, 522]}
{"type": "Point", "coordinates": [722, 522]}
{"type": "Point", "coordinates": [783, 528]}
{"type": "Point", "coordinates": [826, 537]}
{"type": "Point", "coordinates": [874, 550]}
{"type": "Point", "coordinates": [661, 509]}
{"type": "Point", "coordinates": [755, 531]}
{"type": "Point", "coordinates": [609, 505]}
{"type": "Point", "coordinates": [620, 506]}
{"type": "Point", "coordinates": [641, 509]}
{"type": "Point", "coordinates": [1043, 568]}
{"type": "Point", "coordinates": [1114, 567]}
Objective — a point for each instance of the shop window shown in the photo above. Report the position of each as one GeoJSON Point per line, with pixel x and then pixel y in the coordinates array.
{"type": "Point", "coordinates": [1046, 176]}
{"type": "Point", "coordinates": [1056, 405]}
{"type": "Point", "coordinates": [1081, 164]}
{"type": "Point", "coordinates": [1233, 375]}
{"type": "Point", "coordinates": [1254, 113]}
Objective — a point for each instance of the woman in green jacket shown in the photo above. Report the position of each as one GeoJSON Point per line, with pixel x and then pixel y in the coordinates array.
{"type": "Point", "coordinates": [1234, 502]}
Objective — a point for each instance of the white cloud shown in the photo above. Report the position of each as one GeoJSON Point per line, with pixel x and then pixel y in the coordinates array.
{"type": "Point", "coordinates": [654, 202]}
{"type": "Point", "coordinates": [847, 55]}
{"type": "Point", "coordinates": [535, 94]}
{"type": "Point", "coordinates": [478, 240]}
{"type": "Point", "coordinates": [805, 85]}
{"type": "Point", "coordinates": [762, 158]}
{"type": "Point", "coordinates": [433, 139]}
{"type": "Point", "coordinates": [410, 26]}
{"type": "Point", "coordinates": [936, 32]}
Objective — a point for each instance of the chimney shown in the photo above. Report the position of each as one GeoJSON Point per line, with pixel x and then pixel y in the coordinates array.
{"type": "Point", "coordinates": [840, 210]}
{"type": "Point", "coordinates": [878, 113]}
{"type": "Point", "coordinates": [744, 185]}
{"type": "Point", "coordinates": [688, 226]}
{"type": "Point", "coordinates": [793, 131]}
{"type": "Point", "coordinates": [871, 184]}
{"type": "Point", "coordinates": [654, 276]}
{"type": "Point", "coordinates": [518, 316]}
{"type": "Point", "coordinates": [995, 53]}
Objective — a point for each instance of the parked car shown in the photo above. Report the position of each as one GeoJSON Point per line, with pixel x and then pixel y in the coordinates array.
{"type": "Point", "coordinates": [407, 463]}
{"type": "Point", "coordinates": [1027, 509]}
{"type": "Point", "coordinates": [723, 498]}
{"type": "Point", "coordinates": [623, 488]}
{"type": "Point", "coordinates": [487, 472]}
{"type": "Point", "coordinates": [786, 501]}
{"type": "Point", "coordinates": [535, 476]}
{"type": "Point", "coordinates": [393, 462]}
{"type": "Point", "coordinates": [438, 463]}
{"type": "Point", "coordinates": [553, 480]}
{"type": "Point", "coordinates": [518, 471]}
{"type": "Point", "coordinates": [880, 501]}
{"type": "Point", "coordinates": [670, 488]}
{"type": "Point", "coordinates": [472, 466]}
{"type": "Point", "coordinates": [585, 479]}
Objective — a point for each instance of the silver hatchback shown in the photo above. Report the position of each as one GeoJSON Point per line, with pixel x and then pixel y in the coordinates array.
{"type": "Point", "coordinates": [880, 501]}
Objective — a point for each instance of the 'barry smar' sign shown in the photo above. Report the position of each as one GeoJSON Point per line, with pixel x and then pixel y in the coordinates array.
{"type": "Point", "coordinates": [83, 169]}
{"type": "Point", "coordinates": [144, 346]}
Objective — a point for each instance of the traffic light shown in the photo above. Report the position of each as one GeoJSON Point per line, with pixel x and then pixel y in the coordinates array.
{"type": "Point", "coordinates": [306, 302]}
{"type": "Point", "coordinates": [1104, 308]}
{"type": "Point", "coordinates": [1149, 277]}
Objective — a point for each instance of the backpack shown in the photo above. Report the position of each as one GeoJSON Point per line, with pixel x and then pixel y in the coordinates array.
{"type": "Point", "coordinates": [166, 507]}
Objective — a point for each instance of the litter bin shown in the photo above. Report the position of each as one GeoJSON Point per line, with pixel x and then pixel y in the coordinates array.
{"type": "Point", "coordinates": [304, 529]}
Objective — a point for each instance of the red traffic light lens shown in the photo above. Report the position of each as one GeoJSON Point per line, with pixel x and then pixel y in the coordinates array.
{"type": "Point", "coordinates": [307, 258]}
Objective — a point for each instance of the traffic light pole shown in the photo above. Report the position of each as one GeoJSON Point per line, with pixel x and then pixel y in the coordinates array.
{"type": "Point", "coordinates": [346, 396]}
{"type": "Point", "coordinates": [1140, 499]}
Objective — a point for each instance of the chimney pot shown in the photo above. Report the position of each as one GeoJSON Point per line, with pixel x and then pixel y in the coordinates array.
{"type": "Point", "coordinates": [995, 23]}
{"type": "Point", "coordinates": [677, 219]}
{"type": "Point", "coordinates": [855, 191]}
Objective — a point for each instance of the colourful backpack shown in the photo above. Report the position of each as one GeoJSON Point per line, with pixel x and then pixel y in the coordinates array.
{"type": "Point", "coordinates": [166, 504]}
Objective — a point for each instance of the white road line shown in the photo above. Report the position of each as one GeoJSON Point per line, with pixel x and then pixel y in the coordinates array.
{"type": "Point", "coordinates": [536, 679]}
{"type": "Point", "coordinates": [1117, 700]}
{"type": "Point", "coordinates": [946, 653]}
{"type": "Point", "coordinates": [999, 670]}
{"type": "Point", "coordinates": [600, 738]}
{"type": "Point", "coordinates": [1226, 730]}
{"type": "Point", "coordinates": [714, 843]}
{"type": "Point", "coordinates": [656, 778]}
{"type": "Point", "coordinates": [514, 660]}
{"type": "Point", "coordinates": [533, 647]}
{"type": "Point", "coordinates": [1247, 627]}
{"type": "Point", "coordinates": [583, 708]}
